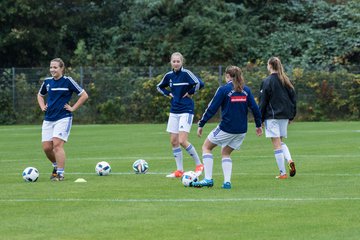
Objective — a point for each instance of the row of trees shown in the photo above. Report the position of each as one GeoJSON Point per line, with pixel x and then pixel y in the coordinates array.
{"type": "Point", "coordinates": [208, 32]}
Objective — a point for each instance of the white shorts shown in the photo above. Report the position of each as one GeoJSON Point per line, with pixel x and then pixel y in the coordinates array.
{"type": "Point", "coordinates": [59, 129]}
{"type": "Point", "coordinates": [224, 139]}
{"type": "Point", "coordinates": [179, 122]}
{"type": "Point", "coordinates": [276, 128]}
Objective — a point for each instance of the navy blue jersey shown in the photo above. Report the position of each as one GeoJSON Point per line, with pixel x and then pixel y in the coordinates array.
{"type": "Point", "coordinates": [180, 83]}
{"type": "Point", "coordinates": [59, 93]}
{"type": "Point", "coordinates": [234, 109]}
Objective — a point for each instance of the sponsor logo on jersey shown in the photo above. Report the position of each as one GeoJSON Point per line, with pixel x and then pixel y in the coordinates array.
{"type": "Point", "coordinates": [238, 98]}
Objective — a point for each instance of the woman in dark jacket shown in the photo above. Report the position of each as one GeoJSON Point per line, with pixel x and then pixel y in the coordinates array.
{"type": "Point", "coordinates": [277, 104]}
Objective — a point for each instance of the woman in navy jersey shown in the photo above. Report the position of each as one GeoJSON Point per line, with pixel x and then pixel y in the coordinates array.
{"type": "Point", "coordinates": [180, 84]}
{"type": "Point", "coordinates": [58, 114]}
{"type": "Point", "coordinates": [234, 98]}
{"type": "Point", "coordinates": [277, 104]}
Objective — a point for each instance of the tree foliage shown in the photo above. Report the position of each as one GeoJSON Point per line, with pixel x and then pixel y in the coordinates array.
{"type": "Point", "coordinates": [207, 32]}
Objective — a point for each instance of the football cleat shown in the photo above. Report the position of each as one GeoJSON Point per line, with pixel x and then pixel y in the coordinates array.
{"type": "Point", "coordinates": [282, 176]}
{"type": "Point", "coordinates": [292, 169]}
{"type": "Point", "coordinates": [175, 174]}
{"type": "Point", "coordinates": [203, 183]}
{"type": "Point", "coordinates": [199, 169]}
{"type": "Point", "coordinates": [226, 185]}
{"type": "Point", "coordinates": [58, 178]}
{"type": "Point", "coordinates": [53, 174]}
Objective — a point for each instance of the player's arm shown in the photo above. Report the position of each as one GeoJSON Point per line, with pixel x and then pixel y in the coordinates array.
{"type": "Point", "coordinates": [40, 97]}
{"type": "Point", "coordinates": [263, 99]}
{"type": "Point", "coordinates": [81, 100]}
{"type": "Point", "coordinates": [196, 82]}
{"type": "Point", "coordinates": [41, 102]}
{"type": "Point", "coordinates": [161, 87]}
{"type": "Point", "coordinates": [211, 110]}
{"type": "Point", "coordinates": [256, 113]}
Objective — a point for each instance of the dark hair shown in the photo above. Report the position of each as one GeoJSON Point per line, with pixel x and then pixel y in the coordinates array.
{"type": "Point", "coordinates": [276, 65]}
{"type": "Point", "coordinates": [237, 77]}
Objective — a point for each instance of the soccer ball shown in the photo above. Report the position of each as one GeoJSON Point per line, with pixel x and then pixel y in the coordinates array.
{"type": "Point", "coordinates": [189, 177]}
{"type": "Point", "coordinates": [102, 168]}
{"type": "Point", "coordinates": [140, 166]}
{"type": "Point", "coordinates": [30, 174]}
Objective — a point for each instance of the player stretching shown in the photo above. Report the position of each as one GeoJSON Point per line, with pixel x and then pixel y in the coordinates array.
{"type": "Point", "coordinates": [183, 84]}
{"type": "Point", "coordinates": [58, 114]}
{"type": "Point", "coordinates": [234, 98]}
{"type": "Point", "coordinates": [278, 107]}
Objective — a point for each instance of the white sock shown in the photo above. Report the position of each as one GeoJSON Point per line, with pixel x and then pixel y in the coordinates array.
{"type": "Point", "coordinates": [208, 165]}
{"type": "Point", "coordinates": [54, 165]}
{"type": "Point", "coordinates": [286, 152]}
{"type": "Point", "coordinates": [178, 155]}
{"type": "Point", "coordinates": [60, 171]}
{"type": "Point", "coordinates": [192, 152]}
{"type": "Point", "coordinates": [227, 168]}
{"type": "Point", "coordinates": [280, 160]}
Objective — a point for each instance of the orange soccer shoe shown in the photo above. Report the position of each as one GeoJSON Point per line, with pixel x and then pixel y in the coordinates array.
{"type": "Point", "coordinates": [199, 169]}
{"type": "Point", "coordinates": [175, 174]}
{"type": "Point", "coordinates": [282, 176]}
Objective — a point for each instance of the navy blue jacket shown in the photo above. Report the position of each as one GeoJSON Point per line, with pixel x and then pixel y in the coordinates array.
{"type": "Point", "coordinates": [234, 109]}
{"type": "Point", "coordinates": [180, 83]}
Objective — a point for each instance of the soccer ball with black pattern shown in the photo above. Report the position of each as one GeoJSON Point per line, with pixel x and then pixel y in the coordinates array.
{"type": "Point", "coordinates": [140, 166]}
{"type": "Point", "coordinates": [103, 168]}
{"type": "Point", "coordinates": [30, 174]}
{"type": "Point", "coordinates": [188, 178]}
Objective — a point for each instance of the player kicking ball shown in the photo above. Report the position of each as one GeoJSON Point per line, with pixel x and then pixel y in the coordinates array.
{"type": "Point", "coordinates": [234, 98]}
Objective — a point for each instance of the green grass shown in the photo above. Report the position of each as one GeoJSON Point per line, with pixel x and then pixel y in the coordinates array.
{"type": "Point", "coordinates": [321, 202]}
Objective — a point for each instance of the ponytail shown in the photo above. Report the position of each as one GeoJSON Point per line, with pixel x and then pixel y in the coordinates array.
{"type": "Point", "coordinates": [276, 65]}
{"type": "Point", "coordinates": [237, 77]}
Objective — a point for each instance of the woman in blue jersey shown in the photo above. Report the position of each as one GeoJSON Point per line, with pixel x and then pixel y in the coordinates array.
{"type": "Point", "coordinates": [277, 104]}
{"type": "Point", "coordinates": [180, 84]}
{"type": "Point", "coordinates": [234, 98]}
{"type": "Point", "coordinates": [58, 114]}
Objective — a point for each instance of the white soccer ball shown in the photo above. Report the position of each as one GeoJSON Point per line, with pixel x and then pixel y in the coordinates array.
{"type": "Point", "coordinates": [189, 177]}
{"type": "Point", "coordinates": [140, 166]}
{"type": "Point", "coordinates": [102, 168]}
{"type": "Point", "coordinates": [30, 174]}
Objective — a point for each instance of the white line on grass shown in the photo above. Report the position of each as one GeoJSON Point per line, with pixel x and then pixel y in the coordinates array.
{"type": "Point", "coordinates": [215, 174]}
{"type": "Point", "coordinates": [181, 200]}
{"type": "Point", "coordinates": [152, 158]}
{"type": "Point", "coordinates": [235, 173]}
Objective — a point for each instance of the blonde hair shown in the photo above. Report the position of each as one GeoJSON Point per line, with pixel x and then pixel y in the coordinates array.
{"type": "Point", "coordinates": [61, 63]}
{"type": "Point", "coordinates": [179, 55]}
{"type": "Point", "coordinates": [276, 65]}
{"type": "Point", "coordinates": [236, 74]}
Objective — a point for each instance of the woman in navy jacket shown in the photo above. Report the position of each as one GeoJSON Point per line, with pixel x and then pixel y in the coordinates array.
{"type": "Point", "coordinates": [180, 84]}
{"type": "Point", "coordinates": [235, 99]}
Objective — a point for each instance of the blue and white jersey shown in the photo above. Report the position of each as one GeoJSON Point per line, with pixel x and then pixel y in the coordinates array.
{"type": "Point", "coordinates": [59, 93]}
{"type": "Point", "coordinates": [234, 109]}
{"type": "Point", "coordinates": [180, 83]}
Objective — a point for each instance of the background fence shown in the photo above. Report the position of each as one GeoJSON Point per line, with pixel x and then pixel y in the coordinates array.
{"type": "Point", "coordinates": [128, 94]}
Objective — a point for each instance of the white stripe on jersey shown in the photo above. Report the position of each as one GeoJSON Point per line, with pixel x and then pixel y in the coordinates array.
{"type": "Point", "coordinates": [74, 83]}
{"type": "Point", "coordinates": [193, 77]}
{"type": "Point", "coordinates": [180, 84]}
{"type": "Point", "coordinates": [60, 89]}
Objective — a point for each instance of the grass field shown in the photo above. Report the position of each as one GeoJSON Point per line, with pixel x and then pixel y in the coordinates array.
{"type": "Point", "coordinates": [321, 202]}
